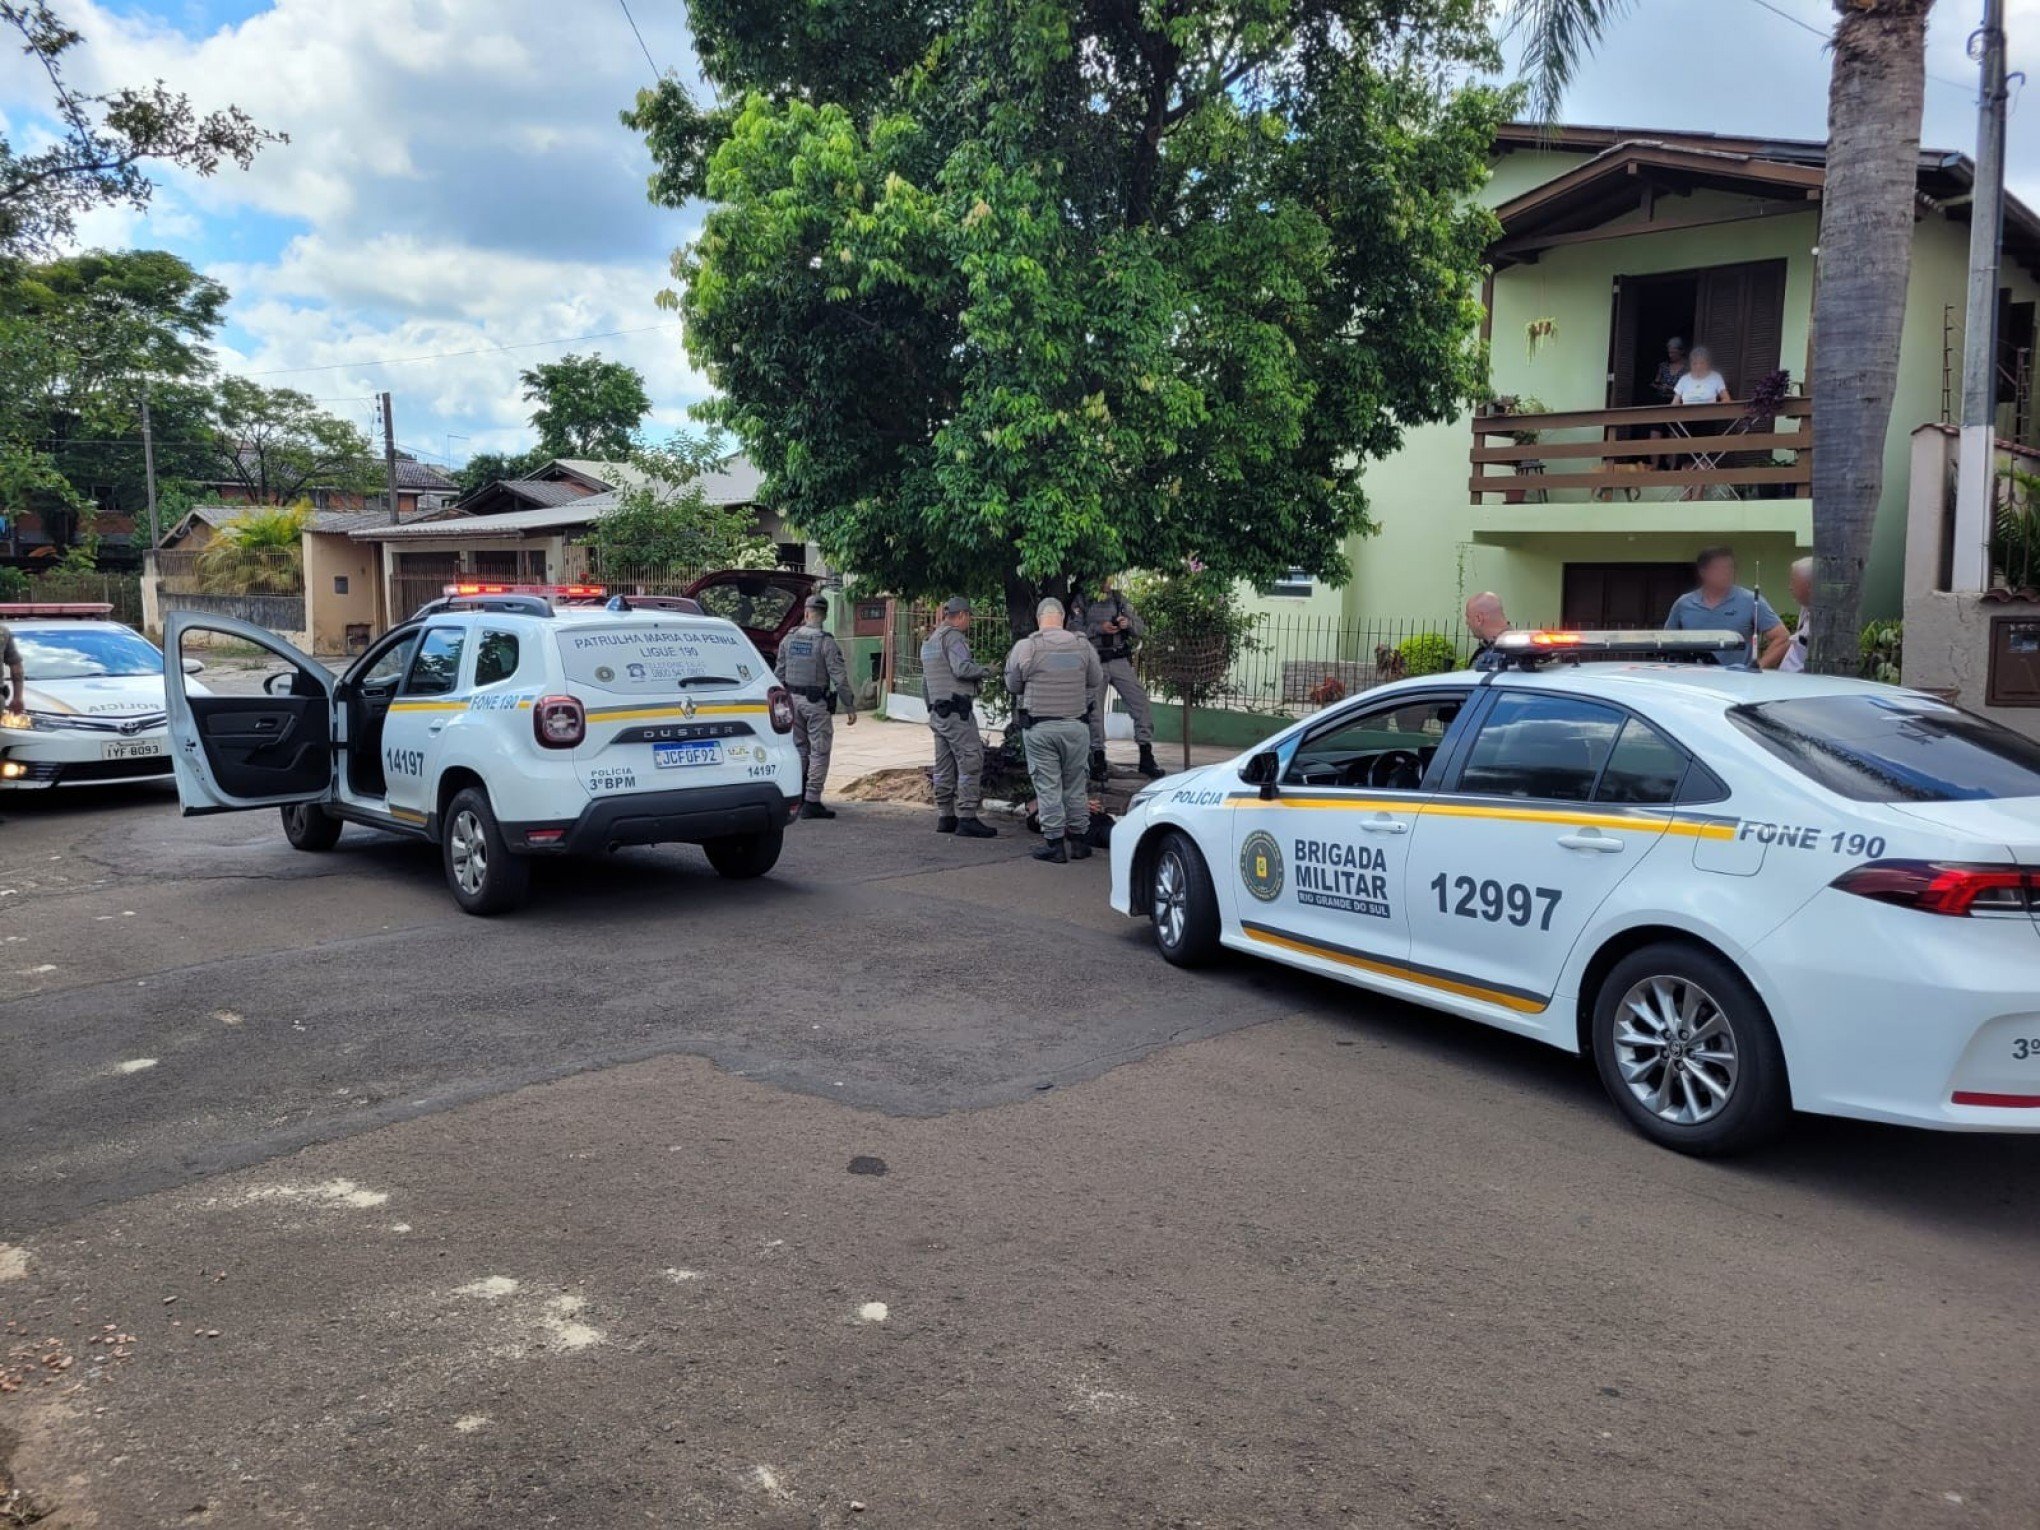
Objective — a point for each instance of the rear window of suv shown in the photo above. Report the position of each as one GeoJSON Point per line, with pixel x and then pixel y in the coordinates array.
{"type": "Point", "coordinates": [1894, 748]}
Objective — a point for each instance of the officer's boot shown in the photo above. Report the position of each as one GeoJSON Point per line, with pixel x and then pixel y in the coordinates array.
{"type": "Point", "coordinates": [946, 824]}
{"type": "Point", "coordinates": [815, 809]}
{"type": "Point", "coordinates": [1080, 849]}
{"type": "Point", "coordinates": [1099, 768]}
{"type": "Point", "coordinates": [1052, 850]}
{"type": "Point", "coordinates": [1148, 767]}
{"type": "Point", "coordinates": [971, 828]}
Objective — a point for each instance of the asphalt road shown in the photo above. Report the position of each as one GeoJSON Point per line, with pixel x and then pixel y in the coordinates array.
{"type": "Point", "coordinates": [906, 1187]}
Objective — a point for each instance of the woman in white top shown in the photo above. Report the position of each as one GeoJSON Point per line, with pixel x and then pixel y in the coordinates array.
{"type": "Point", "coordinates": [1701, 384]}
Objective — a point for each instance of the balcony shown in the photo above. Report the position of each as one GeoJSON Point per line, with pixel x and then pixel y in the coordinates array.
{"type": "Point", "coordinates": [1700, 452]}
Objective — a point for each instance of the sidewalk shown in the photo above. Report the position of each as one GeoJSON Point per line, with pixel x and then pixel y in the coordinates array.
{"type": "Point", "coordinates": [875, 745]}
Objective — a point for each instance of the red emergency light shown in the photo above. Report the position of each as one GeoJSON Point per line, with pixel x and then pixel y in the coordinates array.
{"type": "Point", "coordinates": [22, 609]}
{"type": "Point", "coordinates": [546, 591]}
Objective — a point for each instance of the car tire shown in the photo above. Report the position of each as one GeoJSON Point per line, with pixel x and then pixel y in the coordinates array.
{"type": "Point", "coordinates": [484, 875]}
{"type": "Point", "coordinates": [743, 856]}
{"type": "Point", "coordinates": [309, 826]}
{"type": "Point", "coordinates": [1182, 903]}
{"type": "Point", "coordinates": [1687, 1051]}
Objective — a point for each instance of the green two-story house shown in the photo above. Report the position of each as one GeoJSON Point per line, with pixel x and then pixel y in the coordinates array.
{"type": "Point", "coordinates": [1585, 502]}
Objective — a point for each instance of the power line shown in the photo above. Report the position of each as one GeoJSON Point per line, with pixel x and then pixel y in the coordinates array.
{"type": "Point", "coordinates": [480, 350]}
{"type": "Point", "coordinates": [640, 39]}
{"type": "Point", "coordinates": [1826, 36]}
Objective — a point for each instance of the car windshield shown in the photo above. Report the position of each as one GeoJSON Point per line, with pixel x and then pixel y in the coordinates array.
{"type": "Point", "coordinates": [1895, 748]}
{"type": "Point", "coordinates": [85, 653]}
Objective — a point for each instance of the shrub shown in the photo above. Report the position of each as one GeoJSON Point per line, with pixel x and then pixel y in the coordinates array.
{"type": "Point", "coordinates": [1428, 653]}
{"type": "Point", "coordinates": [1195, 630]}
{"type": "Point", "coordinates": [1882, 646]}
{"type": "Point", "coordinates": [262, 553]}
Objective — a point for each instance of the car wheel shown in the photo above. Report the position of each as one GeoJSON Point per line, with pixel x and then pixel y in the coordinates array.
{"type": "Point", "coordinates": [741, 856]}
{"type": "Point", "coordinates": [310, 827]}
{"type": "Point", "coordinates": [1687, 1051]}
{"type": "Point", "coordinates": [485, 876]}
{"type": "Point", "coordinates": [1182, 903]}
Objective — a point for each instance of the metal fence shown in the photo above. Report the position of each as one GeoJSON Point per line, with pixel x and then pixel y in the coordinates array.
{"type": "Point", "coordinates": [1289, 666]}
{"type": "Point", "coordinates": [235, 571]}
{"type": "Point", "coordinates": [121, 591]}
{"type": "Point", "coordinates": [2015, 532]}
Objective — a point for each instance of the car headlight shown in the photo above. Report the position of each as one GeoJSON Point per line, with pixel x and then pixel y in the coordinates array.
{"type": "Point", "coordinates": [38, 722]}
{"type": "Point", "coordinates": [1145, 794]}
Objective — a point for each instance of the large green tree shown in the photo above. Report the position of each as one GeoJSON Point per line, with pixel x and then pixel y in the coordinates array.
{"type": "Point", "coordinates": [585, 406]}
{"type": "Point", "coordinates": [278, 445]}
{"type": "Point", "coordinates": [82, 338]}
{"type": "Point", "coordinates": [1876, 90]}
{"type": "Point", "coordinates": [104, 144]}
{"type": "Point", "coordinates": [1010, 291]}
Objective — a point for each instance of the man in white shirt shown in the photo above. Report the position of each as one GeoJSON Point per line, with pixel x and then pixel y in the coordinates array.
{"type": "Point", "coordinates": [1801, 584]}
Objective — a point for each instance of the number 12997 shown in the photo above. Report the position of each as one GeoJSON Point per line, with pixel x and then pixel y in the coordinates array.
{"type": "Point", "coordinates": [1495, 901]}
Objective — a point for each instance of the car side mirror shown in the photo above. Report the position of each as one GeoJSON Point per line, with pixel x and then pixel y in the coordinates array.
{"type": "Point", "coordinates": [279, 684]}
{"type": "Point", "coordinates": [1263, 770]}
{"type": "Point", "coordinates": [194, 666]}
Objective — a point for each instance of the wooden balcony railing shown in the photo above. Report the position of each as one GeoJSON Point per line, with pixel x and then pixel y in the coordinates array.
{"type": "Point", "coordinates": [1659, 452]}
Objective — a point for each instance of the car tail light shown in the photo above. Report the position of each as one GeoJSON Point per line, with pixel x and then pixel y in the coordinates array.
{"type": "Point", "coordinates": [560, 722]}
{"type": "Point", "coordinates": [1942, 887]}
{"type": "Point", "coordinates": [781, 705]}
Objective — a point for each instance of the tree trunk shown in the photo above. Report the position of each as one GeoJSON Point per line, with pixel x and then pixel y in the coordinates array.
{"type": "Point", "coordinates": [1866, 234]}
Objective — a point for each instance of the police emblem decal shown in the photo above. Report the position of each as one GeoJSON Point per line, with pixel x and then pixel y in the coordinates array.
{"type": "Point", "coordinates": [604, 673]}
{"type": "Point", "coordinates": [1261, 866]}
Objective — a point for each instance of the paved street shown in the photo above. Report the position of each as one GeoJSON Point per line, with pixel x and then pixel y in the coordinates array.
{"type": "Point", "coordinates": [906, 1187]}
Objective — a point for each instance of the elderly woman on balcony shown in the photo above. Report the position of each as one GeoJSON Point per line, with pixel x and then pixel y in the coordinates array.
{"type": "Point", "coordinates": [1701, 385]}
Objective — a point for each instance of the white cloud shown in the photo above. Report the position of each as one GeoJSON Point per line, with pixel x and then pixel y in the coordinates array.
{"type": "Point", "coordinates": [456, 179]}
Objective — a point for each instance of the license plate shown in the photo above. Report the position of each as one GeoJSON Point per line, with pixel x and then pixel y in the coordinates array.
{"type": "Point", "coordinates": [131, 749]}
{"type": "Point", "coordinates": [666, 756]}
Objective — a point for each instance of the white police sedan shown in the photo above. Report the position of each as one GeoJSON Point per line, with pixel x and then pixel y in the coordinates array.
{"type": "Point", "coordinates": [1741, 893]}
{"type": "Point", "coordinates": [94, 712]}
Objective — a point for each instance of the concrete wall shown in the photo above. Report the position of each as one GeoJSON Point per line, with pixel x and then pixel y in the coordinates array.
{"type": "Point", "coordinates": [331, 561]}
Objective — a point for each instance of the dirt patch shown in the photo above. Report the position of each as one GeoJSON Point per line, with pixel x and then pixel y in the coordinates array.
{"type": "Point", "coordinates": [908, 783]}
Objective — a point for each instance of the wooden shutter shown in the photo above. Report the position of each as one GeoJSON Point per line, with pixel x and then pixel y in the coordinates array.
{"type": "Point", "coordinates": [1622, 350]}
{"type": "Point", "coordinates": [1763, 326]}
{"type": "Point", "coordinates": [1739, 315]}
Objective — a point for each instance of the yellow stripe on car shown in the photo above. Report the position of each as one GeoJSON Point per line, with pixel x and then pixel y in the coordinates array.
{"type": "Point", "coordinates": [1465, 988]}
{"type": "Point", "coordinates": [700, 709]}
{"type": "Point", "coordinates": [1434, 807]}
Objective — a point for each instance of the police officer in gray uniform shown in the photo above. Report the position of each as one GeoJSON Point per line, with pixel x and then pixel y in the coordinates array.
{"type": "Point", "coordinates": [811, 666]}
{"type": "Point", "coordinates": [950, 678]}
{"type": "Point", "coordinates": [1112, 625]}
{"type": "Point", "coordinates": [1057, 679]}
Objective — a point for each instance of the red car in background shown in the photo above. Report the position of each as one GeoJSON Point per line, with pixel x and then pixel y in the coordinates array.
{"type": "Point", "coordinates": [766, 603]}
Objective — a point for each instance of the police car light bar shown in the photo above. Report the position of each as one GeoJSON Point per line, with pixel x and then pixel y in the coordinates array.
{"type": "Point", "coordinates": [23, 609]}
{"type": "Point", "coordinates": [1529, 649]}
{"type": "Point", "coordinates": [544, 591]}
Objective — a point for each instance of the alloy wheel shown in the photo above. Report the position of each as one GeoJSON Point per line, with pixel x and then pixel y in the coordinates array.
{"type": "Point", "coordinates": [1172, 897]}
{"type": "Point", "coordinates": [470, 848]}
{"type": "Point", "coordinates": [1676, 1050]}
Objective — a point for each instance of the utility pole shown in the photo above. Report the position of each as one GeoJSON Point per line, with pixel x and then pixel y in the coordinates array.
{"type": "Point", "coordinates": [389, 447]}
{"type": "Point", "coordinates": [149, 471]}
{"type": "Point", "coordinates": [1976, 461]}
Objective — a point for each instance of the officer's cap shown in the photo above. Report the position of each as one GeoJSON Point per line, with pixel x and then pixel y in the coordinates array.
{"type": "Point", "coordinates": [955, 605]}
{"type": "Point", "coordinates": [818, 603]}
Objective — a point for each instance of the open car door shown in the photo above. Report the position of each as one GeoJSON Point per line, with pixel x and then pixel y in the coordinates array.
{"type": "Point", "coordinates": [235, 752]}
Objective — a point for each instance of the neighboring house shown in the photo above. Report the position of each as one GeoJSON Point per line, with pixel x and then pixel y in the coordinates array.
{"type": "Point", "coordinates": [532, 529]}
{"type": "Point", "coordinates": [1612, 241]}
{"type": "Point", "coordinates": [421, 488]}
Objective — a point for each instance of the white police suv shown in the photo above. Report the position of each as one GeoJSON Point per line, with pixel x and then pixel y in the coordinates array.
{"type": "Point", "coordinates": [1741, 893]}
{"type": "Point", "coordinates": [93, 712]}
{"type": "Point", "coordinates": [503, 723]}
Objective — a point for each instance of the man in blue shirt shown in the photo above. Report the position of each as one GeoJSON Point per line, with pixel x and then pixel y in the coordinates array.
{"type": "Point", "coordinates": [1719, 604]}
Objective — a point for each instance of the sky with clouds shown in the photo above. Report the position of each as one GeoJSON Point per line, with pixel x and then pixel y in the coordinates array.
{"type": "Point", "coordinates": [457, 181]}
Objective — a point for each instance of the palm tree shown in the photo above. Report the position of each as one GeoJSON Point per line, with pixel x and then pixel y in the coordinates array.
{"type": "Point", "coordinates": [1875, 94]}
{"type": "Point", "coordinates": [261, 553]}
